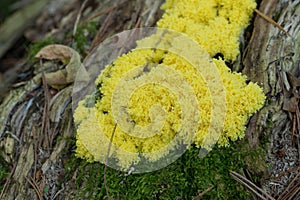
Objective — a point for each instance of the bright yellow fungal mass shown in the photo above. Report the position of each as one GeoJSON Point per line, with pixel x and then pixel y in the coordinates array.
{"type": "Point", "coordinates": [216, 26]}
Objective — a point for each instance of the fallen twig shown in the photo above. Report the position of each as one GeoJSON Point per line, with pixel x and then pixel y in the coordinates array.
{"type": "Point", "coordinates": [286, 172]}
{"type": "Point", "coordinates": [251, 186]}
{"type": "Point", "coordinates": [45, 129]}
{"type": "Point", "coordinates": [199, 196]}
{"type": "Point", "coordinates": [77, 20]}
{"type": "Point", "coordinates": [35, 187]}
{"type": "Point", "coordinates": [271, 21]}
{"type": "Point", "coordinates": [286, 194]}
{"type": "Point", "coordinates": [109, 9]}
{"type": "Point", "coordinates": [7, 181]}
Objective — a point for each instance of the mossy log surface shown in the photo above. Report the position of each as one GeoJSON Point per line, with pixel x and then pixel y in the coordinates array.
{"type": "Point", "coordinates": [36, 126]}
{"type": "Point", "coordinates": [272, 59]}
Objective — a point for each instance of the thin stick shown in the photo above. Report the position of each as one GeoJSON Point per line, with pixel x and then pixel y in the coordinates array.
{"type": "Point", "coordinates": [105, 11]}
{"type": "Point", "coordinates": [286, 172]}
{"type": "Point", "coordinates": [35, 150]}
{"type": "Point", "coordinates": [283, 195]}
{"type": "Point", "coordinates": [294, 191]}
{"type": "Point", "coordinates": [77, 19]}
{"type": "Point", "coordinates": [35, 187]}
{"type": "Point", "coordinates": [199, 196]}
{"type": "Point", "coordinates": [99, 36]}
{"type": "Point", "coordinates": [46, 118]}
{"type": "Point", "coordinates": [271, 21]}
{"type": "Point", "coordinates": [244, 181]}
{"type": "Point", "coordinates": [106, 160]}
{"type": "Point", "coordinates": [9, 178]}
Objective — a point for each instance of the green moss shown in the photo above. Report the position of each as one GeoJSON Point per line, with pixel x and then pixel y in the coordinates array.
{"type": "Point", "coordinates": [185, 178]}
{"type": "Point", "coordinates": [84, 35]}
{"type": "Point", "coordinates": [3, 173]}
{"type": "Point", "coordinates": [36, 47]}
{"type": "Point", "coordinates": [82, 40]}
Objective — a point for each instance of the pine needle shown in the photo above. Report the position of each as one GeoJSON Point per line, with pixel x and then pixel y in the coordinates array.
{"type": "Point", "coordinates": [271, 21]}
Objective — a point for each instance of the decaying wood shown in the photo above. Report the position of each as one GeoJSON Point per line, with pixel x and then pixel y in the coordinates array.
{"type": "Point", "coordinates": [36, 124]}
{"type": "Point", "coordinates": [36, 164]}
{"type": "Point", "coordinates": [271, 58]}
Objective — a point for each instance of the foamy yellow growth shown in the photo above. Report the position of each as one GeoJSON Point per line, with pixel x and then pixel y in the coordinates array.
{"type": "Point", "coordinates": [242, 101]}
{"type": "Point", "coordinates": [216, 26]}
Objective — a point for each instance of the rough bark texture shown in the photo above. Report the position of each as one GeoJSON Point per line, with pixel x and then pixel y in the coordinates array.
{"type": "Point", "coordinates": [35, 124]}
{"type": "Point", "coordinates": [272, 59]}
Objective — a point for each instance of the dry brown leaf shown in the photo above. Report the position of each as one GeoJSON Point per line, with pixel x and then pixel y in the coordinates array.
{"type": "Point", "coordinates": [65, 54]}
{"type": "Point", "coordinates": [56, 79]}
{"type": "Point", "coordinates": [55, 52]}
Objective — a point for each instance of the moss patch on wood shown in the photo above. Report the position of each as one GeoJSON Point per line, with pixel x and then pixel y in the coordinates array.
{"type": "Point", "coordinates": [4, 172]}
{"type": "Point", "coordinates": [184, 179]}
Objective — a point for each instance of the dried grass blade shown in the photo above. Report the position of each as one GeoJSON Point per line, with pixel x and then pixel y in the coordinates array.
{"type": "Point", "coordinates": [251, 186]}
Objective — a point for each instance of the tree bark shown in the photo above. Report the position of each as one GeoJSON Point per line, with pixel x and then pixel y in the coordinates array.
{"type": "Point", "coordinates": [36, 125]}
{"type": "Point", "coordinates": [272, 59]}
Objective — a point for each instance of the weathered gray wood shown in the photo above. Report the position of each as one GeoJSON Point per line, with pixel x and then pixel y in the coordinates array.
{"type": "Point", "coordinates": [266, 61]}
{"type": "Point", "coordinates": [24, 135]}
{"type": "Point", "coordinates": [271, 54]}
